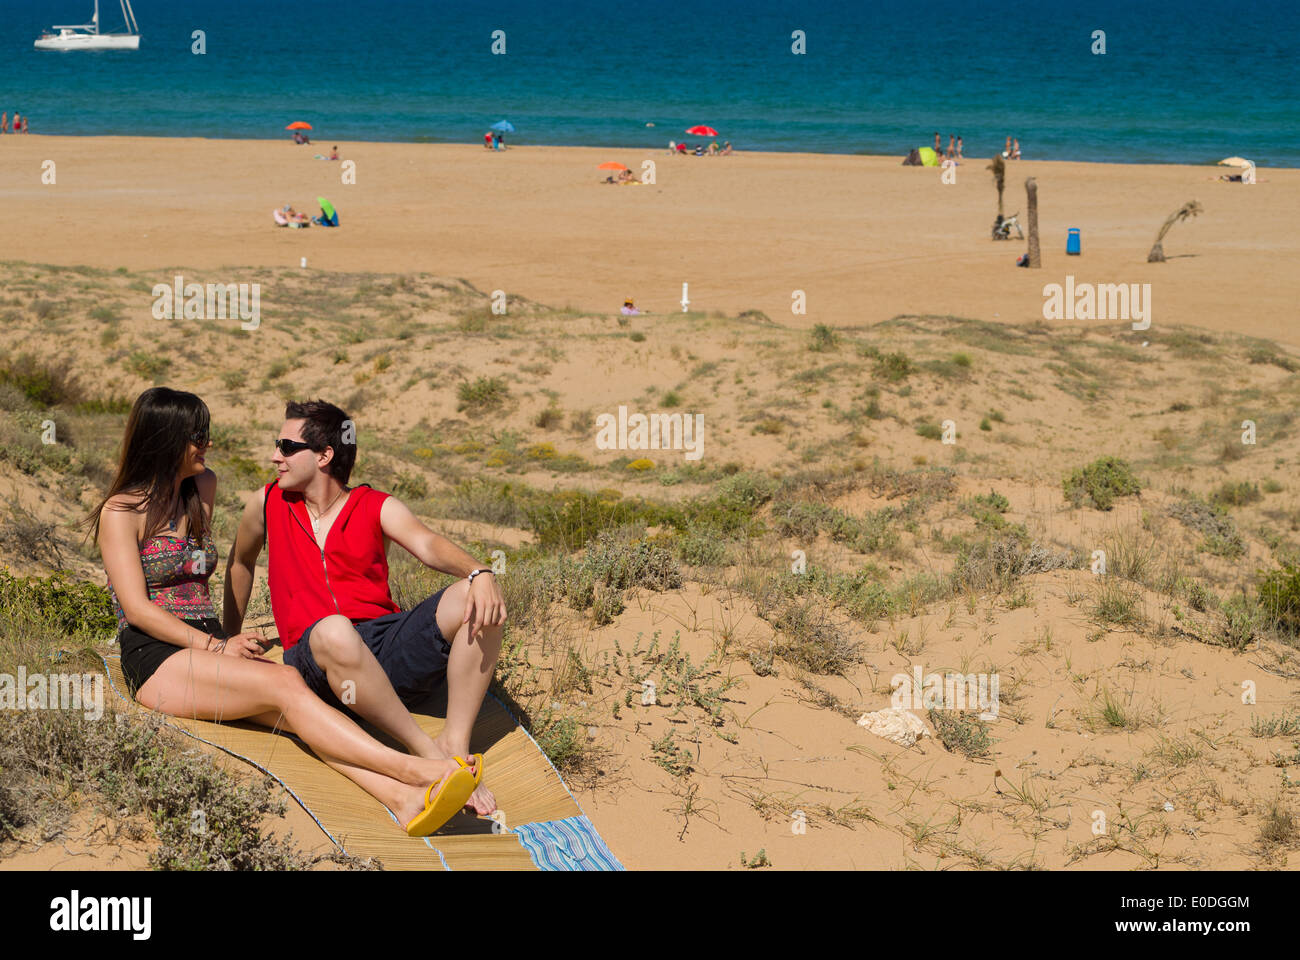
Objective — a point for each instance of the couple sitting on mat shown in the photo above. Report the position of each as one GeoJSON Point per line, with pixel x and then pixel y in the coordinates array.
{"type": "Point", "coordinates": [345, 640]}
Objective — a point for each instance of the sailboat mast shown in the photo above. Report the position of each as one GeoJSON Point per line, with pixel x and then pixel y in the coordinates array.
{"type": "Point", "coordinates": [129, 16]}
{"type": "Point", "coordinates": [95, 19]}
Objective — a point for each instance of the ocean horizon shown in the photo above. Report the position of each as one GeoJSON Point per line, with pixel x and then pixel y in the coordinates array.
{"type": "Point", "coordinates": [1178, 83]}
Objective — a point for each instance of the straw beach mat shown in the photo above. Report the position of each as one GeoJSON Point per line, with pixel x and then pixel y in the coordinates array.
{"type": "Point", "coordinates": [544, 827]}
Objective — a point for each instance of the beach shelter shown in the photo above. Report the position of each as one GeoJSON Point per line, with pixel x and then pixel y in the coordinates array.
{"type": "Point", "coordinates": [1234, 162]}
{"type": "Point", "coordinates": [329, 216]}
{"type": "Point", "coordinates": [928, 157]}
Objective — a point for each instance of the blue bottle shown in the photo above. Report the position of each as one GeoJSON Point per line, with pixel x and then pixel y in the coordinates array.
{"type": "Point", "coordinates": [1072, 242]}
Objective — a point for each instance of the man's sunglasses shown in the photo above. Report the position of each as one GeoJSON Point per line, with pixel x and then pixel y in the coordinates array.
{"type": "Point", "coordinates": [290, 447]}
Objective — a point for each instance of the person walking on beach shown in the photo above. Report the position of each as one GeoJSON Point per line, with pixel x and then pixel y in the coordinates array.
{"type": "Point", "coordinates": [952, 149]}
{"type": "Point", "coordinates": [1015, 149]}
{"type": "Point", "coordinates": [959, 156]}
{"type": "Point", "coordinates": [25, 128]}
{"type": "Point", "coordinates": [4, 122]}
{"type": "Point", "coordinates": [154, 530]}
{"type": "Point", "coordinates": [18, 123]}
{"type": "Point", "coordinates": [1006, 151]}
{"type": "Point", "coordinates": [327, 569]}
{"type": "Point", "coordinates": [938, 150]}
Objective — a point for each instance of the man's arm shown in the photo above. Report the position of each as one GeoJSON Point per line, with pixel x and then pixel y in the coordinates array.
{"type": "Point", "coordinates": [484, 606]}
{"type": "Point", "coordinates": [405, 529]}
{"type": "Point", "coordinates": [241, 564]}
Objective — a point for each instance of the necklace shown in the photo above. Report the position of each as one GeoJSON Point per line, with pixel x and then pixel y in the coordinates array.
{"type": "Point", "coordinates": [315, 520]}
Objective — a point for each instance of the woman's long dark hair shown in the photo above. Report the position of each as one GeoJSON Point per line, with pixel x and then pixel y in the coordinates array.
{"type": "Point", "coordinates": [157, 438]}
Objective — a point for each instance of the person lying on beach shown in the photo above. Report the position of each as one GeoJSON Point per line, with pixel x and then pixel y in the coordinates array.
{"type": "Point", "coordinates": [327, 569]}
{"type": "Point", "coordinates": [293, 216]}
{"type": "Point", "coordinates": [154, 530]}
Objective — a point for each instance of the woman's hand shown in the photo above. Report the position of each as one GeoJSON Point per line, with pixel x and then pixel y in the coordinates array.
{"type": "Point", "coordinates": [246, 645]}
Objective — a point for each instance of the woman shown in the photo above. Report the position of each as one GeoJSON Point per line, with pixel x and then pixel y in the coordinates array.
{"type": "Point", "coordinates": [154, 532]}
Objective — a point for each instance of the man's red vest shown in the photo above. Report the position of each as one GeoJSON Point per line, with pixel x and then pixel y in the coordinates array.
{"type": "Point", "coordinates": [350, 576]}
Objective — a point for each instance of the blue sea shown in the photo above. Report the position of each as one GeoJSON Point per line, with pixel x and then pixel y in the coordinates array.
{"type": "Point", "coordinates": [1183, 82]}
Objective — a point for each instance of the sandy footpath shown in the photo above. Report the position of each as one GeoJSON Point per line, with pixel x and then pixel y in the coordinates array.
{"type": "Point", "coordinates": [865, 237]}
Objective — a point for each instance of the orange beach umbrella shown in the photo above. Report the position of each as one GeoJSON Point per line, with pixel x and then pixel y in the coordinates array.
{"type": "Point", "coordinates": [299, 125]}
{"type": "Point", "coordinates": [611, 165]}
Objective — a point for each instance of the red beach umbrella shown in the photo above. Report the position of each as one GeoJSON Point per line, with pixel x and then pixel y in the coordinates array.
{"type": "Point", "coordinates": [702, 131]}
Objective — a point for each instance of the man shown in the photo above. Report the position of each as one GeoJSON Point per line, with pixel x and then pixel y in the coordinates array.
{"type": "Point", "coordinates": [328, 575]}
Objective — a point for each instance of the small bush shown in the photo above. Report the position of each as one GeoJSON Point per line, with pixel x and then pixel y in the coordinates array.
{"type": "Point", "coordinates": [1279, 594]}
{"type": "Point", "coordinates": [823, 338]}
{"type": "Point", "coordinates": [485, 393]}
{"type": "Point", "coordinates": [961, 733]}
{"type": "Point", "coordinates": [1101, 482]}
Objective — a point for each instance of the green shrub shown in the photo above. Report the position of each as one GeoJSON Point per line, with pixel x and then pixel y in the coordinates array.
{"type": "Point", "coordinates": [823, 338]}
{"type": "Point", "coordinates": [485, 393]}
{"type": "Point", "coordinates": [1279, 594]}
{"type": "Point", "coordinates": [1101, 482]}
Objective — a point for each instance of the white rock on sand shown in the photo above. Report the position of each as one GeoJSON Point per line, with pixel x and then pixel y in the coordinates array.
{"type": "Point", "coordinates": [894, 724]}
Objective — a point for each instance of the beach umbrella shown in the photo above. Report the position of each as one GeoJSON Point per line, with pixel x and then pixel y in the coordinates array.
{"type": "Point", "coordinates": [702, 131]}
{"type": "Point", "coordinates": [1234, 162]}
{"type": "Point", "coordinates": [326, 206]}
{"type": "Point", "coordinates": [505, 126]}
{"type": "Point", "coordinates": [611, 165]}
{"type": "Point", "coordinates": [299, 125]}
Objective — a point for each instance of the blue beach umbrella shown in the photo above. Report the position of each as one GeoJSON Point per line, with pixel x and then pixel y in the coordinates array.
{"type": "Point", "coordinates": [505, 126]}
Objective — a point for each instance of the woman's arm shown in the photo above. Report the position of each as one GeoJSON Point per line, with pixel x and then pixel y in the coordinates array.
{"type": "Point", "coordinates": [119, 544]}
{"type": "Point", "coordinates": [242, 563]}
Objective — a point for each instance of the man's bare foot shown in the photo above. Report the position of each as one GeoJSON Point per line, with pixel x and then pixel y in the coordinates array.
{"type": "Point", "coordinates": [411, 803]}
{"type": "Point", "coordinates": [481, 801]}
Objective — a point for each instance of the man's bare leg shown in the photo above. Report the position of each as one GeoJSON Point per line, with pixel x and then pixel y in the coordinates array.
{"type": "Point", "coordinates": [469, 674]}
{"type": "Point", "coordinates": [360, 683]}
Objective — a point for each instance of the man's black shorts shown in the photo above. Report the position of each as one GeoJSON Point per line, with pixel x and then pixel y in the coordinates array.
{"type": "Point", "coordinates": [408, 645]}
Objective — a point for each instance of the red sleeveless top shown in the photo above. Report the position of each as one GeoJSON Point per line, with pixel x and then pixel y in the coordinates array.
{"type": "Point", "coordinates": [349, 576]}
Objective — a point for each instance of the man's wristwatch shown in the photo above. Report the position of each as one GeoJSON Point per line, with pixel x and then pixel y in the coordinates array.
{"type": "Point", "coordinates": [475, 573]}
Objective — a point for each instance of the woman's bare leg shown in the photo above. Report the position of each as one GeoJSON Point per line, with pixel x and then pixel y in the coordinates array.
{"type": "Point", "coordinates": [208, 686]}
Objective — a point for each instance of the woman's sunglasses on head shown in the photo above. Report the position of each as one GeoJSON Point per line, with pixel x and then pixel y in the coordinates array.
{"type": "Point", "coordinates": [290, 447]}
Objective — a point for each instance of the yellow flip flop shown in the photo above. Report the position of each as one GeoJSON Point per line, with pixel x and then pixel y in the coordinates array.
{"type": "Point", "coordinates": [449, 800]}
{"type": "Point", "coordinates": [478, 768]}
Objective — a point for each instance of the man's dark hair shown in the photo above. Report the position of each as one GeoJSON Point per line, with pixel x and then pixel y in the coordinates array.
{"type": "Point", "coordinates": [324, 425]}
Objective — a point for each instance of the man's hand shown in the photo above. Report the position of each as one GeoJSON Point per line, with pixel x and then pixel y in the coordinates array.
{"type": "Point", "coordinates": [246, 645]}
{"type": "Point", "coordinates": [485, 606]}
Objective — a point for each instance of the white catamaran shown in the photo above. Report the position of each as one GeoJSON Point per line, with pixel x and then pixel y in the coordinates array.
{"type": "Point", "coordinates": [86, 36]}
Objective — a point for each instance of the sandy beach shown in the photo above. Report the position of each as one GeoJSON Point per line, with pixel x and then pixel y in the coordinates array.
{"type": "Point", "coordinates": [864, 237]}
